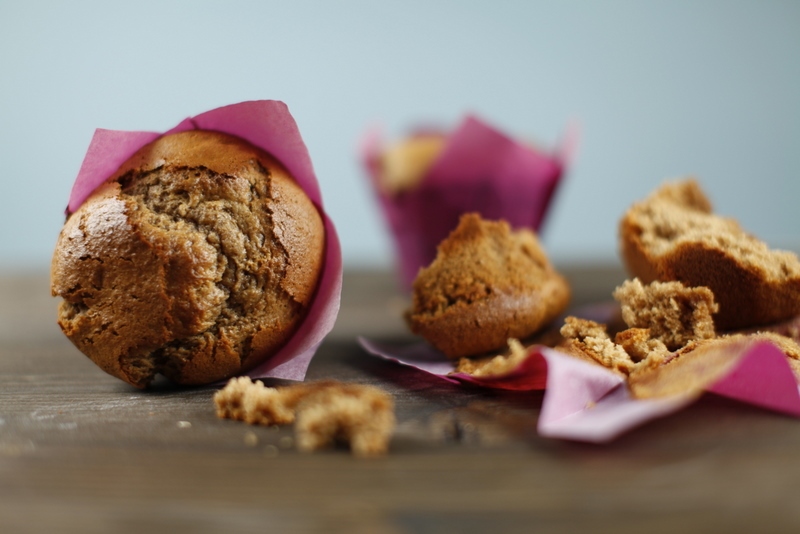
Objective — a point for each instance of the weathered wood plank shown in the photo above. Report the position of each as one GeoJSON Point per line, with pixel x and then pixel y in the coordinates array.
{"type": "Point", "coordinates": [83, 452]}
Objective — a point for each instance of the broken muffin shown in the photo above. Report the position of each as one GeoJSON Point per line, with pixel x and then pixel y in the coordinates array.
{"type": "Point", "coordinates": [486, 285]}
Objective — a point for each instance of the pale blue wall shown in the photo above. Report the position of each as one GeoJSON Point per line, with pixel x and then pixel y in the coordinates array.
{"type": "Point", "coordinates": [661, 89]}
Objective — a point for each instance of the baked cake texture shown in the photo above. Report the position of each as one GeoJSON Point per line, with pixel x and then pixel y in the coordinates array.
{"type": "Point", "coordinates": [324, 412]}
{"type": "Point", "coordinates": [673, 236]}
{"type": "Point", "coordinates": [672, 313]}
{"type": "Point", "coordinates": [670, 346]}
{"type": "Point", "coordinates": [589, 340]}
{"type": "Point", "coordinates": [197, 260]}
{"type": "Point", "coordinates": [486, 285]}
{"type": "Point", "coordinates": [661, 318]}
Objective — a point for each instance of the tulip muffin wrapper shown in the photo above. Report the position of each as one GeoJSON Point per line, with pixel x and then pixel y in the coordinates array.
{"type": "Point", "coordinates": [480, 169]}
{"type": "Point", "coordinates": [268, 125]}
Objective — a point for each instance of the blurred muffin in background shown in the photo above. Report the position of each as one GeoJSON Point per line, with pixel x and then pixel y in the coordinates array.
{"type": "Point", "coordinates": [426, 181]}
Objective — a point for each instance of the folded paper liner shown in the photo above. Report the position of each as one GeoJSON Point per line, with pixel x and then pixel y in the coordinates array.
{"type": "Point", "coordinates": [587, 402]}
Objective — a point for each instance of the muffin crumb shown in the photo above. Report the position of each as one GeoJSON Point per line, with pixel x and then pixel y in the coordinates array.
{"type": "Point", "coordinates": [586, 338]}
{"type": "Point", "coordinates": [324, 413]}
{"type": "Point", "coordinates": [671, 312]}
{"type": "Point", "coordinates": [498, 365]}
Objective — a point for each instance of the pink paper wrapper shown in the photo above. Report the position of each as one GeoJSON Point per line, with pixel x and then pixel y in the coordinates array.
{"type": "Point", "coordinates": [268, 125]}
{"type": "Point", "coordinates": [586, 402]}
{"type": "Point", "coordinates": [479, 170]}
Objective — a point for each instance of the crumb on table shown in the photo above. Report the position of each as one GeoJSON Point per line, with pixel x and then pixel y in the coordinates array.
{"type": "Point", "coordinates": [498, 365]}
{"type": "Point", "coordinates": [324, 412]}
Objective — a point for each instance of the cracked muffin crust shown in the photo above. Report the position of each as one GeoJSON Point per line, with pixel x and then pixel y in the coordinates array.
{"type": "Point", "coordinates": [197, 260]}
{"type": "Point", "coordinates": [486, 285]}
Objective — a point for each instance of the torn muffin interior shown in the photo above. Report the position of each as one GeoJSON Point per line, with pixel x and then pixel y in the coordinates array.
{"type": "Point", "coordinates": [589, 340]}
{"type": "Point", "coordinates": [670, 325]}
{"type": "Point", "coordinates": [661, 318]}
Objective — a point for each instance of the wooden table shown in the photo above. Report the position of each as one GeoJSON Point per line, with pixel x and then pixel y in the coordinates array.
{"type": "Point", "coordinates": [83, 452]}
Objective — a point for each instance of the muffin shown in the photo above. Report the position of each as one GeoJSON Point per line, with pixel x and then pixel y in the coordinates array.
{"type": "Point", "coordinates": [486, 285]}
{"type": "Point", "coordinates": [197, 259]}
{"type": "Point", "coordinates": [404, 164]}
{"type": "Point", "coordinates": [673, 236]}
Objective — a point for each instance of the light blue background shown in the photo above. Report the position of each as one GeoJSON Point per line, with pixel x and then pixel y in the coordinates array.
{"type": "Point", "coordinates": [661, 89]}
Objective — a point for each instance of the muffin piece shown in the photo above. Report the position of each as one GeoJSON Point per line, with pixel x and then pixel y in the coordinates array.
{"type": "Point", "coordinates": [673, 313]}
{"type": "Point", "coordinates": [494, 365]}
{"type": "Point", "coordinates": [486, 285]}
{"type": "Point", "coordinates": [324, 412]}
{"type": "Point", "coordinates": [359, 415]}
{"type": "Point", "coordinates": [673, 235]}
{"type": "Point", "coordinates": [589, 340]}
{"type": "Point", "coordinates": [197, 259]}
{"type": "Point", "coordinates": [662, 318]}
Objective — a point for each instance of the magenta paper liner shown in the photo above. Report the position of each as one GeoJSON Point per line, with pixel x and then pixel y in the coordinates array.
{"type": "Point", "coordinates": [586, 402]}
{"type": "Point", "coordinates": [479, 170]}
{"type": "Point", "coordinates": [268, 125]}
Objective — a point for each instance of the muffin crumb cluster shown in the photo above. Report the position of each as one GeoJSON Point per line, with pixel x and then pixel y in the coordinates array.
{"type": "Point", "coordinates": [324, 413]}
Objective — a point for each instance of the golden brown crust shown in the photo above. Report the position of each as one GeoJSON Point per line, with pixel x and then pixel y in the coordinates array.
{"type": "Point", "coordinates": [197, 260]}
{"type": "Point", "coordinates": [672, 235]}
{"type": "Point", "coordinates": [486, 285]}
{"type": "Point", "coordinates": [661, 317]}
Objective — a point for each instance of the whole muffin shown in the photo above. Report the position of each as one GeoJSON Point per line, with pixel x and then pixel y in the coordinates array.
{"type": "Point", "coordinates": [486, 285]}
{"type": "Point", "coordinates": [197, 260]}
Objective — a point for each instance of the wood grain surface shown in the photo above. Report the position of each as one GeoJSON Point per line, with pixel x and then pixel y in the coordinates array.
{"type": "Point", "coordinates": [83, 452]}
